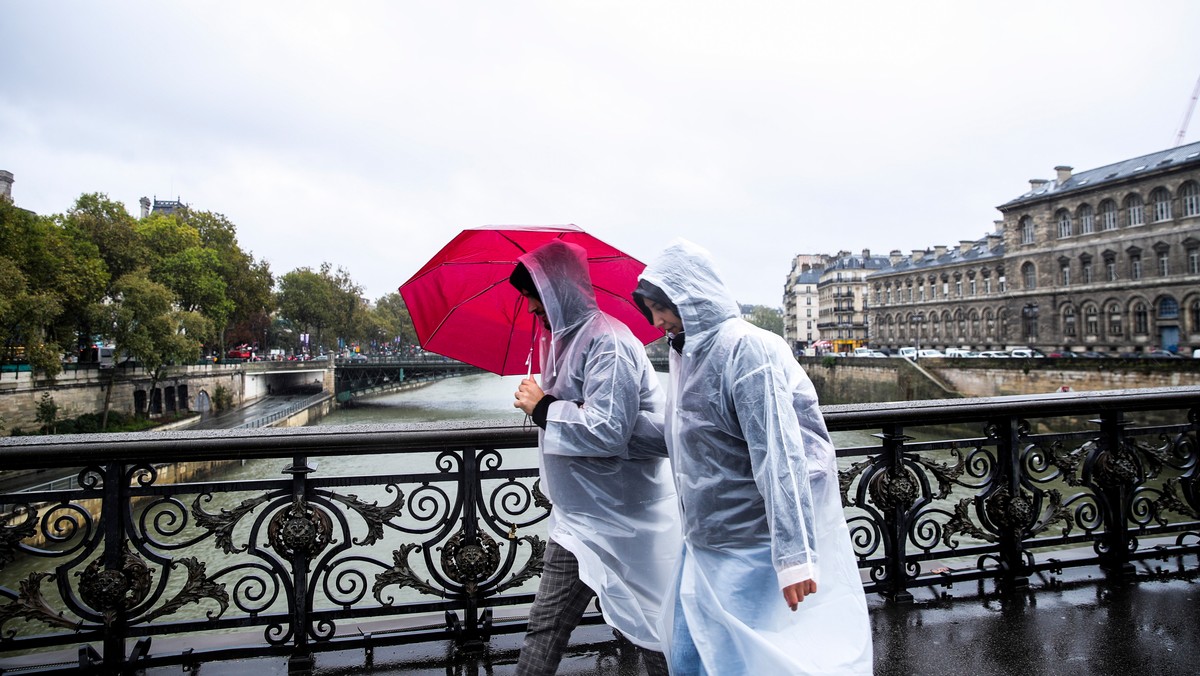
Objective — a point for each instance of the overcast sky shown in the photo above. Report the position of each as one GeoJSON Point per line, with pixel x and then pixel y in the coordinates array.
{"type": "Point", "coordinates": [367, 134]}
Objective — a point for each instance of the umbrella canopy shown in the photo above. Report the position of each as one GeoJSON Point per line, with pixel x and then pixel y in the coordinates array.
{"type": "Point", "coordinates": [463, 307]}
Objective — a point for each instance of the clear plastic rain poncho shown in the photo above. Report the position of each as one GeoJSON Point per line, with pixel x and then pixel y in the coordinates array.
{"type": "Point", "coordinates": [757, 481]}
{"type": "Point", "coordinates": [614, 506]}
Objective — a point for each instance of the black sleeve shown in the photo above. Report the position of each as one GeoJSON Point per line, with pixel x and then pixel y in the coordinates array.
{"type": "Point", "coordinates": [542, 408]}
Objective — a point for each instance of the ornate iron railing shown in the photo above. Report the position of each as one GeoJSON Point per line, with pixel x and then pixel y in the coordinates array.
{"type": "Point", "coordinates": [381, 535]}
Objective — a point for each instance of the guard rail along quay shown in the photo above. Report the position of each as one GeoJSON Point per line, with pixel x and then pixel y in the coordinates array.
{"type": "Point", "coordinates": [324, 549]}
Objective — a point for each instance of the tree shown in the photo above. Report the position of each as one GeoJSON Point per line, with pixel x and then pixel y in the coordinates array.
{"type": "Point", "coordinates": [248, 282]}
{"type": "Point", "coordinates": [314, 302]}
{"type": "Point", "coordinates": [148, 326]}
{"type": "Point", "coordinates": [767, 318]}
{"type": "Point", "coordinates": [178, 259]}
{"type": "Point", "coordinates": [391, 319]}
{"type": "Point", "coordinates": [48, 280]}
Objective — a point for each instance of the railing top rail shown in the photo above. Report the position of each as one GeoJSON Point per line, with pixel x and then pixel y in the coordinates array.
{"type": "Point", "coordinates": [947, 411]}
{"type": "Point", "coordinates": [74, 450]}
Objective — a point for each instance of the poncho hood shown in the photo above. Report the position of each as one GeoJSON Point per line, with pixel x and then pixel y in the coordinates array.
{"type": "Point", "coordinates": [689, 276]}
{"type": "Point", "coordinates": [560, 271]}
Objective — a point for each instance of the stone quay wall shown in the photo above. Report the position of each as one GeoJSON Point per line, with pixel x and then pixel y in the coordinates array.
{"type": "Point", "coordinates": [184, 388]}
{"type": "Point", "coordinates": [854, 380]}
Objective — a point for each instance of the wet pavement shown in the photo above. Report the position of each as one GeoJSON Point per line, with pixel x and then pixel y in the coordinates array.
{"type": "Point", "coordinates": [1084, 626]}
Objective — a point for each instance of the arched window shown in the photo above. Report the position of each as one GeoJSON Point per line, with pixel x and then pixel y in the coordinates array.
{"type": "Point", "coordinates": [1161, 200]}
{"type": "Point", "coordinates": [1091, 321]}
{"type": "Point", "coordinates": [1068, 318]}
{"type": "Point", "coordinates": [989, 324]}
{"type": "Point", "coordinates": [1025, 229]}
{"type": "Point", "coordinates": [1168, 308]}
{"type": "Point", "coordinates": [1194, 316]}
{"type": "Point", "coordinates": [1135, 210]}
{"type": "Point", "coordinates": [1002, 323]}
{"type": "Point", "coordinates": [973, 317]}
{"type": "Point", "coordinates": [1064, 271]}
{"type": "Point", "coordinates": [1029, 276]}
{"type": "Point", "coordinates": [1114, 320]}
{"type": "Point", "coordinates": [1087, 220]}
{"type": "Point", "coordinates": [1108, 215]}
{"type": "Point", "coordinates": [935, 326]}
{"type": "Point", "coordinates": [1189, 199]}
{"type": "Point", "coordinates": [1064, 224]}
{"type": "Point", "coordinates": [1141, 319]}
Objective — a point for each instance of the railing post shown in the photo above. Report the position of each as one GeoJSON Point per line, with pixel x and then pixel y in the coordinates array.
{"type": "Point", "coordinates": [471, 638]}
{"type": "Point", "coordinates": [1001, 501]}
{"type": "Point", "coordinates": [1113, 475]}
{"type": "Point", "coordinates": [116, 497]}
{"type": "Point", "coordinates": [895, 508]}
{"type": "Point", "coordinates": [290, 534]}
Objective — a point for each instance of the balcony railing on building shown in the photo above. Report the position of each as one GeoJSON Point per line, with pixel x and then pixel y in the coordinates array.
{"type": "Point", "coordinates": [358, 537]}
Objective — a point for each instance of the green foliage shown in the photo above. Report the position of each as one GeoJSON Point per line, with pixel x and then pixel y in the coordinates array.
{"type": "Point", "coordinates": [390, 320]}
{"type": "Point", "coordinates": [318, 302]}
{"type": "Point", "coordinates": [767, 318]}
{"type": "Point", "coordinates": [47, 413]}
{"type": "Point", "coordinates": [147, 326]}
{"type": "Point", "coordinates": [829, 361]}
{"type": "Point", "coordinates": [222, 398]}
{"type": "Point", "coordinates": [90, 423]}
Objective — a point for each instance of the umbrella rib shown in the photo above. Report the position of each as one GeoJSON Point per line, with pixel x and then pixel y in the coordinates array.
{"type": "Point", "coordinates": [512, 329]}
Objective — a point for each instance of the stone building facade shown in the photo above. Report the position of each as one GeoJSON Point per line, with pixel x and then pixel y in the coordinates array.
{"type": "Point", "coordinates": [943, 297]}
{"type": "Point", "coordinates": [842, 299]}
{"type": "Point", "coordinates": [800, 303]}
{"type": "Point", "coordinates": [1107, 260]}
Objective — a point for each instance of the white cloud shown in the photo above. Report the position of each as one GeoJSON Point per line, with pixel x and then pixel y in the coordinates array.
{"type": "Point", "coordinates": [367, 134]}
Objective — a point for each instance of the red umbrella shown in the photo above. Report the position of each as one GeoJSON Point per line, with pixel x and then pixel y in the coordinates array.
{"type": "Point", "coordinates": [463, 307]}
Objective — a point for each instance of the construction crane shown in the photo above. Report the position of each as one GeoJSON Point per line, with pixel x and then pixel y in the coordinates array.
{"type": "Point", "coordinates": [1188, 115]}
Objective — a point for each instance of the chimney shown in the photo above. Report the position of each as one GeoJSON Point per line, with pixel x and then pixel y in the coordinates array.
{"type": "Point", "coordinates": [939, 251]}
{"type": "Point", "coordinates": [965, 245]}
{"type": "Point", "coordinates": [6, 181]}
{"type": "Point", "coordinates": [917, 254]}
{"type": "Point", "coordinates": [1064, 174]}
{"type": "Point", "coordinates": [866, 255]}
{"type": "Point", "coordinates": [895, 256]}
{"type": "Point", "coordinates": [1036, 184]}
{"type": "Point", "coordinates": [999, 227]}
{"type": "Point", "coordinates": [994, 239]}
{"type": "Point", "coordinates": [145, 202]}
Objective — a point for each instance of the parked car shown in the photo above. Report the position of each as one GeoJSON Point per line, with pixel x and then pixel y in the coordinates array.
{"type": "Point", "coordinates": [240, 352]}
{"type": "Point", "coordinates": [1093, 355]}
{"type": "Point", "coordinates": [995, 354]}
{"type": "Point", "coordinates": [960, 352]}
{"type": "Point", "coordinates": [907, 352]}
{"type": "Point", "coordinates": [930, 353]}
{"type": "Point", "coordinates": [1064, 354]}
{"type": "Point", "coordinates": [1160, 354]}
{"type": "Point", "coordinates": [1024, 352]}
{"type": "Point", "coordinates": [356, 358]}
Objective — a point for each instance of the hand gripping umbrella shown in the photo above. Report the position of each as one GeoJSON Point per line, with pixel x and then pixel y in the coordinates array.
{"type": "Point", "coordinates": [463, 307]}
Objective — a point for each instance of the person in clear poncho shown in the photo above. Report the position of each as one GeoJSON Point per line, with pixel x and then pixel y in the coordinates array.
{"type": "Point", "coordinates": [768, 582]}
{"type": "Point", "coordinates": [614, 528]}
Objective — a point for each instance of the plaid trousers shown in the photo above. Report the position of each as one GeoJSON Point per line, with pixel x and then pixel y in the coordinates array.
{"type": "Point", "coordinates": [560, 603]}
